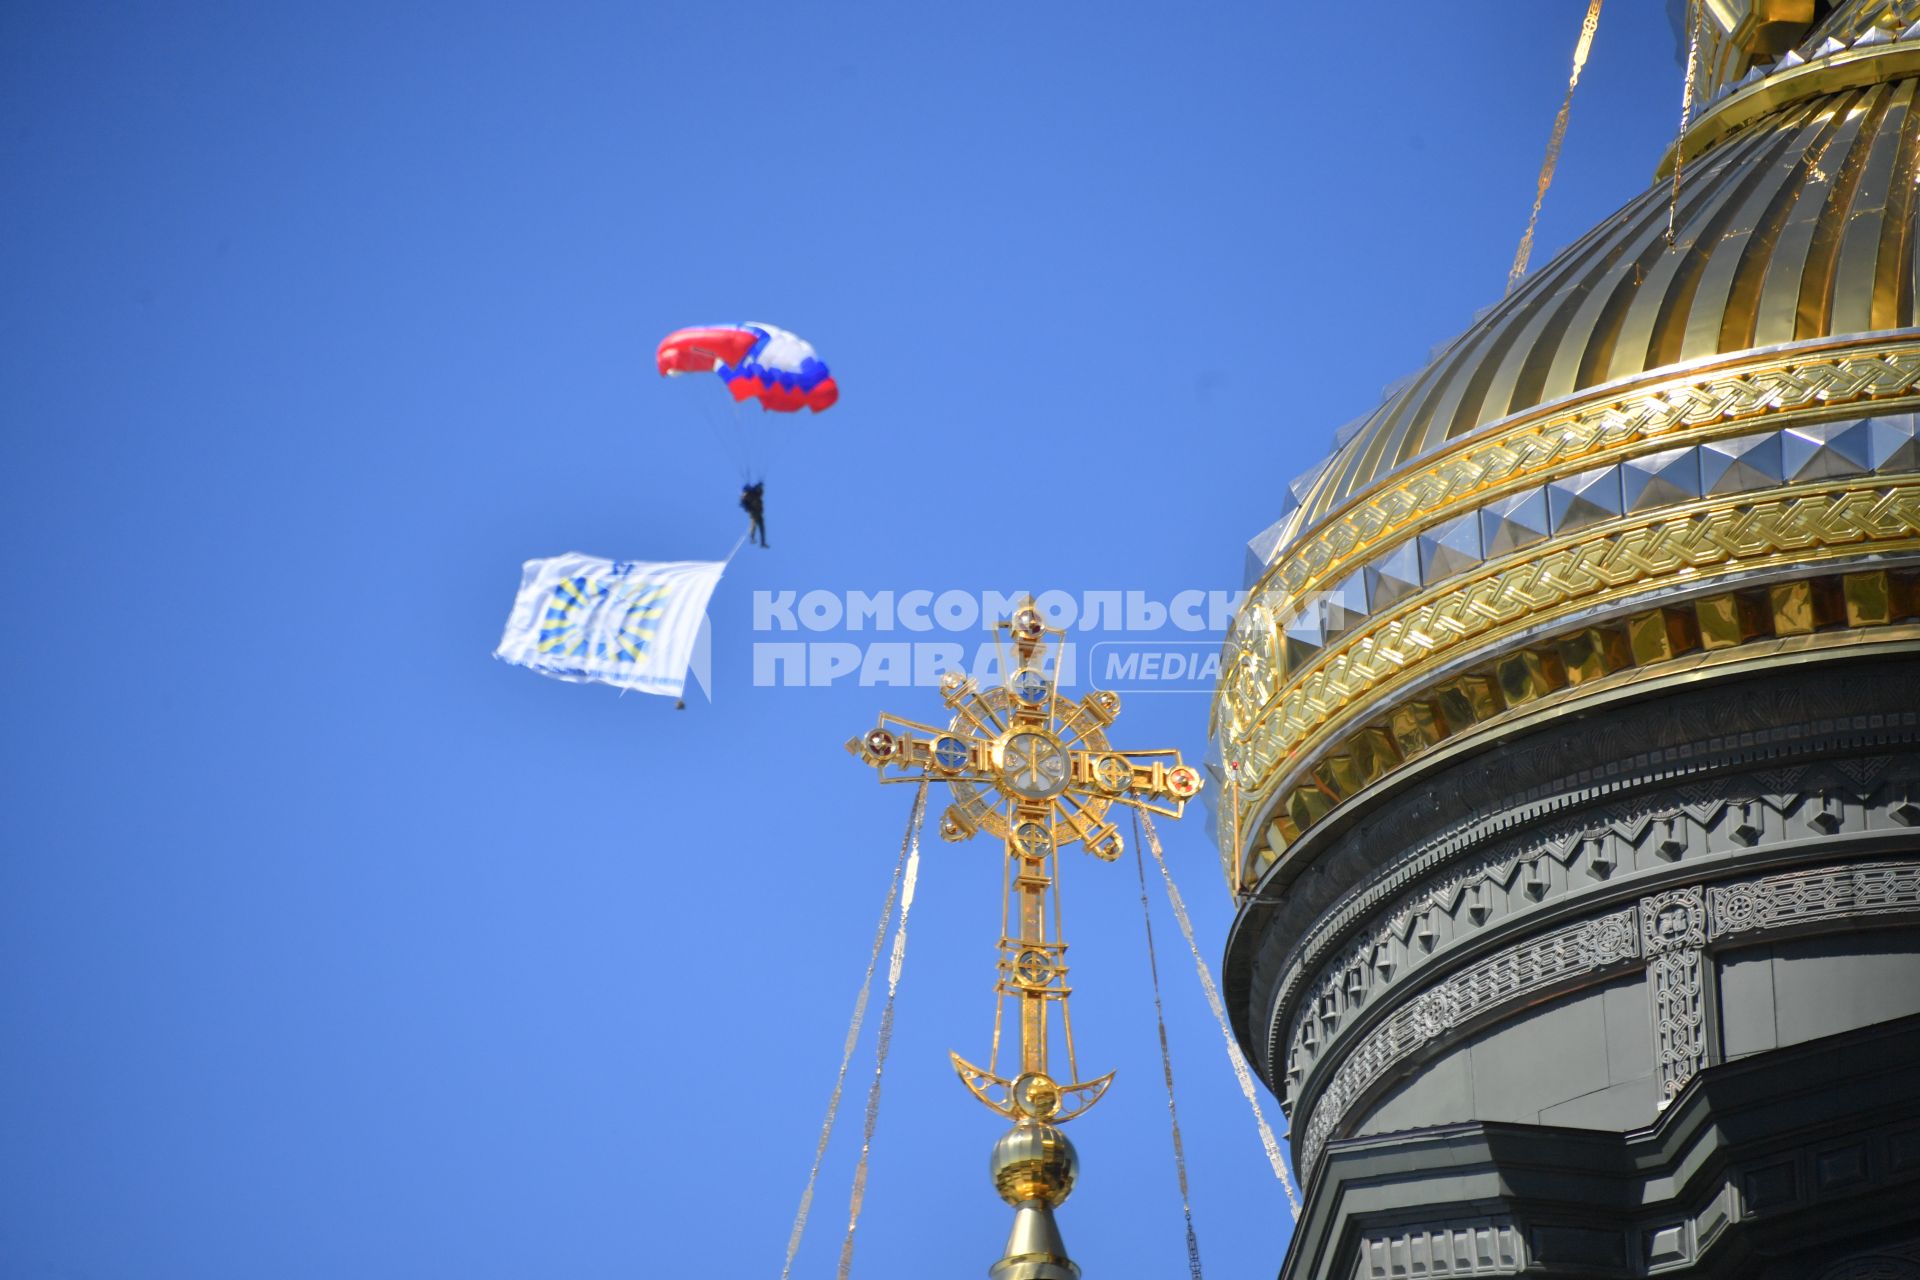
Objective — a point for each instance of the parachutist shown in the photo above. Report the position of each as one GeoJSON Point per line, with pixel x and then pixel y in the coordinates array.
{"type": "Point", "coordinates": [753, 501]}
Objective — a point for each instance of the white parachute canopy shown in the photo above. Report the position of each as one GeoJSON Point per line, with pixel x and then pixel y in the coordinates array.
{"type": "Point", "coordinates": [627, 623]}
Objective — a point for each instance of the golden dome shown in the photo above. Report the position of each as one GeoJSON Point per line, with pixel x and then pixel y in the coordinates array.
{"type": "Point", "coordinates": [1647, 462]}
{"type": "Point", "coordinates": [1799, 227]}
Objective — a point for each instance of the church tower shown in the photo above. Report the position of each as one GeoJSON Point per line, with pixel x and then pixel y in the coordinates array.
{"type": "Point", "coordinates": [1568, 732]}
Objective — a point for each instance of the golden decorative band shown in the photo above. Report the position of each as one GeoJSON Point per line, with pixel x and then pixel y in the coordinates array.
{"type": "Point", "coordinates": [1796, 524]}
{"type": "Point", "coordinates": [1876, 62]}
{"type": "Point", "coordinates": [1272, 732]}
{"type": "Point", "coordinates": [1773, 622]}
{"type": "Point", "coordinates": [1717, 397]}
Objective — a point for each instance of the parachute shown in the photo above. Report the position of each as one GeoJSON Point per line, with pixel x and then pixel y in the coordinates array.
{"type": "Point", "coordinates": [756, 361]}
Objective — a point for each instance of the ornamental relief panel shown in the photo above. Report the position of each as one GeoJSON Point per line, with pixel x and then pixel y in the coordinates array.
{"type": "Point", "coordinates": [1782, 902]}
{"type": "Point", "coordinates": [1648, 839]}
{"type": "Point", "coordinates": [1466, 828]}
{"type": "Point", "coordinates": [1673, 932]}
{"type": "Point", "coordinates": [1670, 933]}
{"type": "Point", "coordinates": [1573, 953]}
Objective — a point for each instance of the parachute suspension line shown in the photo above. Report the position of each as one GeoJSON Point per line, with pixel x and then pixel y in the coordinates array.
{"type": "Point", "coordinates": [1234, 1056]}
{"type": "Point", "coordinates": [727, 435]}
{"type": "Point", "coordinates": [853, 1030]}
{"type": "Point", "coordinates": [884, 1041]}
{"type": "Point", "coordinates": [1166, 1058]}
{"type": "Point", "coordinates": [1580, 50]}
{"type": "Point", "coordinates": [753, 467]}
{"type": "Point", "coordinates": [766, 436]}
{"type": "Point", "coordinates": [1694, 17]}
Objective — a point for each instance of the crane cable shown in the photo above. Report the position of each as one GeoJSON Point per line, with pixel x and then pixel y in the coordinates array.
{"type": "Point", "coordinates": [1166, 1059]}
{"type": "Point", "coordinates": [884, 1041]}
{"type": "Point", "coordinates": [1580, 50]}
{"type": "Point", "coordinates": [908, 843]}
{"type": "Point", "coordinates": [1234, 1056]}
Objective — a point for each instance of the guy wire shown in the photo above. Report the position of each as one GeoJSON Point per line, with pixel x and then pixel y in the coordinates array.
{"type": "Point", "coordinates": [853, 1031]}
{"type": "Point", "coordinates": [1166, 1057]}
{"type": "Point", "coordinates": [884, 1041]}
{"type": "Point", "coordinates": [1234, 1056]}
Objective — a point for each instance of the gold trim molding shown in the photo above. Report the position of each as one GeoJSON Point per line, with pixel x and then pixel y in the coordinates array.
{"type": "Point", "coordinates": [1370, 705]}
{"type": "Point", "coordinates": [1721, 396]}
{"type": "Point", "coordinates": [1846, 69]}
{"type": "Point", "coordinates": [1708, 635]}
{"type": "Point", "coordinates": [1803, 523]}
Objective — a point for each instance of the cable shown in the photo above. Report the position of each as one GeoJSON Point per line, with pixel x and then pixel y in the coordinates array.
{"type": "Point", "coordinates": [1166, 1058]}
{"type": "Point", "coordinates": [1234, 1056]}
{"type": "Point", "coordinates": [884, 1041]}
{"type": "Point", "coordinates": [853, 1028]}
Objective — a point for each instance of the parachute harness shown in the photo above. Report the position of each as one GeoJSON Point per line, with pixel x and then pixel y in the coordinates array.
{"type": "Point", "coordinates": [1234, 1056]}
{"type": "Point", "coordinates": [909, 853]}
{"type": "Point", "coordinates": [1166, 1058]}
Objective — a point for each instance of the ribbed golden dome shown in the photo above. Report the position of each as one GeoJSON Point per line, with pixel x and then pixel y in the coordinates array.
{"type": "Point", "coordinates": [1647, 463]}
{"type": "Point", "coordinates": [1799, 227]}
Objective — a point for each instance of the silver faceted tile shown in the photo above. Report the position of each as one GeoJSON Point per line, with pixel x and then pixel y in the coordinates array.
{"type": "Point", "coordinates": [1345, 606]}
{"type": "Point", "coordinates": [1450, 548]}
{"type": "Point", "coordinates": [1305, 629]}
{"type": "Point", "coordinates": [1574, 502]}
{"type": "Point", "coordinates": [1826, 449]}
{"type": "Point", "coordinates": [1660, 479]}
{"type": "Point", "coordinates": [1513, 522]}
{"type": "Point", "coordinates": [1892, 445]}
{"type": "Point", "coordinates": [1742, 463]}
{"type": "Point", "coordinates": [1394, 576]}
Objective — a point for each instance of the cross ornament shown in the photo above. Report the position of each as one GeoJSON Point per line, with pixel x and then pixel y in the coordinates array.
{"type": "Point", "coordinates": [1033, 768]}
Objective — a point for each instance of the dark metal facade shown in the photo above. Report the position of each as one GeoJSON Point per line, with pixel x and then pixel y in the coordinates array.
{"type": "Point", "coordinates": [1570, 736]}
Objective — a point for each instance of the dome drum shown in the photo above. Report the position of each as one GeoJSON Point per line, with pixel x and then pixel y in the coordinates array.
{"type": "Point", "coordinates": [1633, 422]}
{"type": "Point", "coordinates": [1600, 577]}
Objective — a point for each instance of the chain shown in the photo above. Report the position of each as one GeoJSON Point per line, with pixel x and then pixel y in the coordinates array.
{"type": "Point", "coordinates": [1559, 136]}
{"type": "Point", "coordinates": [1686, 115]}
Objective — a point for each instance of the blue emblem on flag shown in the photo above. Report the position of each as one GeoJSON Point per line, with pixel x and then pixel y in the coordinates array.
{"type": "Point", "coordinates": [602, 618]}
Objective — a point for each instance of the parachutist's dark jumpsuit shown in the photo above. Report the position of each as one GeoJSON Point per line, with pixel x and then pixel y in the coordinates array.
{"type": "Point", "coordinates": [753, 502]}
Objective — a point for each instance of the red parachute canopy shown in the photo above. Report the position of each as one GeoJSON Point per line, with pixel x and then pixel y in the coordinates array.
{"type": "Point", "coordinates": [699, 350]}
{"type": "Point", "coordinates": [761, 362]}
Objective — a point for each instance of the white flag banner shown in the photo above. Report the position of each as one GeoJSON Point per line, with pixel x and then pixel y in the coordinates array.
{"type": "Point", "coordinates": [620, 622]}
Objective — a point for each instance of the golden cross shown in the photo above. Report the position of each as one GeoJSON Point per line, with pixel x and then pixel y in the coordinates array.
{"type": "Point", "coordinates": [1030, 766]}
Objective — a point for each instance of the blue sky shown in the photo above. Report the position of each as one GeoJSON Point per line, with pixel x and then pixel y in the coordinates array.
{"type": "Point", "coordinates": [332, 946]}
